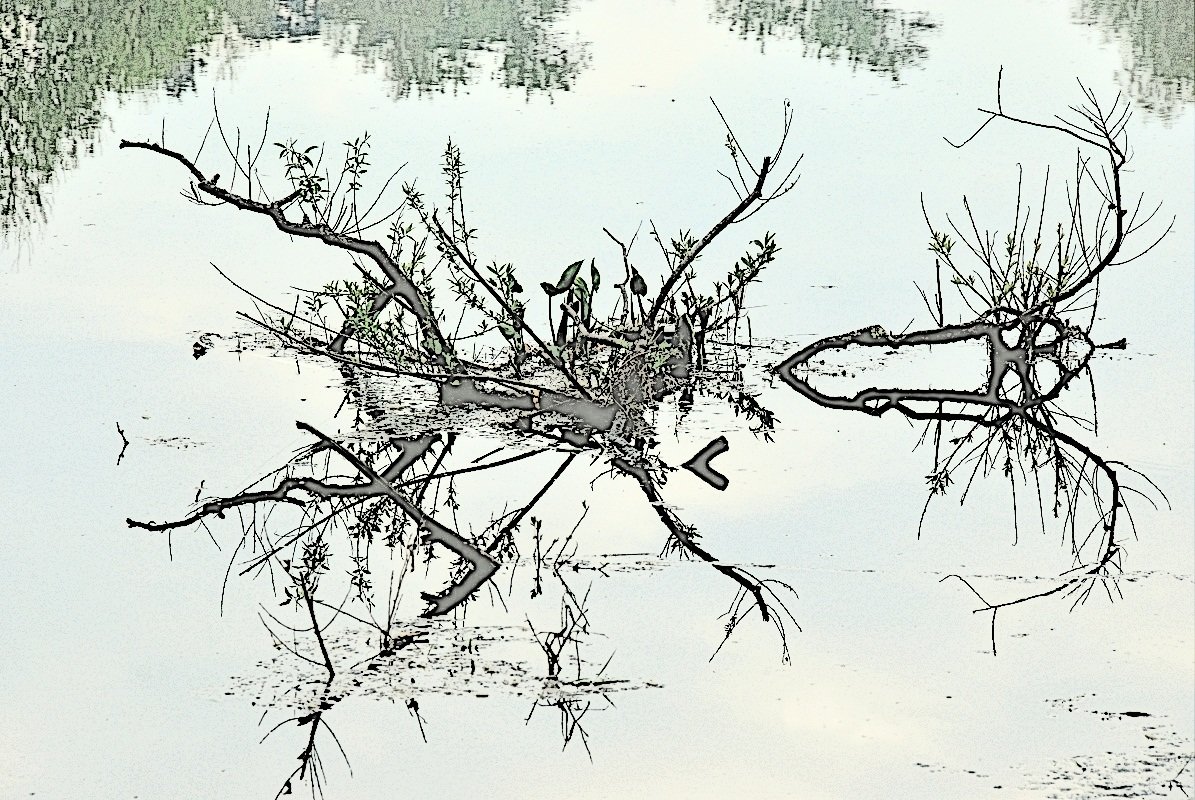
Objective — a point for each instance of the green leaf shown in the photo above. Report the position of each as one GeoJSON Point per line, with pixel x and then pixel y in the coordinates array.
{"type": "Point", "coordinates": [581, 290]}
{"type": "Point", "coordinates": [510, 332]}
{"type": "Point", "coordinates": [566, 280]}
{"type": "Point", "coordinates": [638, 285]}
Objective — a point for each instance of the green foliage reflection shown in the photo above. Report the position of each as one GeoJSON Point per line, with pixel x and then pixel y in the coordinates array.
{"type": "Point", "coordinates": [1159, 48]}
{"type": "Point", "coordinates": [430, 44]}
{"type": "Point", "coordinates": [880, 39]}
{"type": "Point", "coordinates": [57, 60]}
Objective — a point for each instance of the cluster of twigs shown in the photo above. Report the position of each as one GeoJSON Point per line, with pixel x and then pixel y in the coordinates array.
{"type": "Point", "coordinates": [1033, 297]}
{"type": "Point", "coordinates": [581, 388]}
{"type": "Point", "coordinates": [586, 385]}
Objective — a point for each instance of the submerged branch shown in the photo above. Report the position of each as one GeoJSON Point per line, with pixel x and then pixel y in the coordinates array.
{"type": "Point", "coordinates": [376, 485]}
{"type": "Point", "coordinates": [483, 567]}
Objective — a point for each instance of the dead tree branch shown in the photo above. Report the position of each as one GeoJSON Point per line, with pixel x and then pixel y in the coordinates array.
{"type": "Point", "coordinates": [401, 286]}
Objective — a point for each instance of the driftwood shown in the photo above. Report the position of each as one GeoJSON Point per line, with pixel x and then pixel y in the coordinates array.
{"type": "Point", "coordinates": [1025, 300]}
{"type": "Point", "coordinates": [586, 386]}
{"type": "Point", "coordinates": [583, 388]}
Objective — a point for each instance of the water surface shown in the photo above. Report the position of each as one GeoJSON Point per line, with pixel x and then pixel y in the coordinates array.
{"type": "Point", "coordinates": [125, 677]}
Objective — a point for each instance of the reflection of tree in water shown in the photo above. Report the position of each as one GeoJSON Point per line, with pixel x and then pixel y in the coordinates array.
{"type": "Point", "coordinates": [58, 60]}
{"type": "Point", "coordinates": [428, 44]}
{"type": "Point", "coordinates": [569, 678]}
{"type": "Point", "coordinates": [1158, 41]}
{"type": "Point", "coordinates": [881, 39]}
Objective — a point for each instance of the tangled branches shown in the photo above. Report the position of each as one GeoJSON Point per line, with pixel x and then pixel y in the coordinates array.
{"type": "Point", "coordinates": [1033, 296]}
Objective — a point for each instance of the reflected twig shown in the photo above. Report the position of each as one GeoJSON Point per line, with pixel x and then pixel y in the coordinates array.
{"type": "Point", "coordinates": [1021, 295]}
{"type": "Point", "coordinates": [124, 446]}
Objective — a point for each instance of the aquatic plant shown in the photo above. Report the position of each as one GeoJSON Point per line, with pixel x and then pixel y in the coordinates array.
{"type": "Point", "coordinates": [577, 369]}
{"type": "Point", "coordinates": [584, 385]}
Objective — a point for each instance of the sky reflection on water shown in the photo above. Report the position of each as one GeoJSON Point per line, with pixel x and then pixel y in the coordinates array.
{"type": "Point", "coordinates": [893, 690]}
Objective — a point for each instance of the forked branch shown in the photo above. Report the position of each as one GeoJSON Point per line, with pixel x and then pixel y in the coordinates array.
{"type": "Point", "coordinates": [401, 286]}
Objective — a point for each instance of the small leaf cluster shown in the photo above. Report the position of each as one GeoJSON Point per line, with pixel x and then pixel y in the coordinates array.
{"type": "Point", "coordinates": [303, 172]}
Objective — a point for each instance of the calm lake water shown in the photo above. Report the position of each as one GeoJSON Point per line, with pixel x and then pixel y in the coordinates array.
{"type": "Point", "coordinates": [132, 670]}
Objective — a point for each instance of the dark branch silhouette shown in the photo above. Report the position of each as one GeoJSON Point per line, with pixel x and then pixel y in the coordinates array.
{"type": "Point", "coordinates": [1027, 295]}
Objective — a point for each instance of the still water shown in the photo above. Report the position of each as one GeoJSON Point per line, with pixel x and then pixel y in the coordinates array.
{"type": "Point", "coordinates": [134, 668]}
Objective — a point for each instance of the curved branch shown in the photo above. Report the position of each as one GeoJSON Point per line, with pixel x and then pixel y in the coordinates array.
{"type": "Point", "coordinates": [401, 286]}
